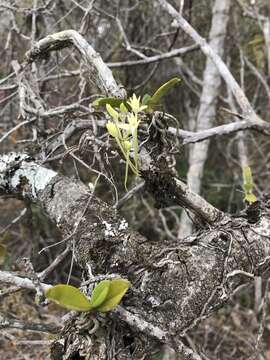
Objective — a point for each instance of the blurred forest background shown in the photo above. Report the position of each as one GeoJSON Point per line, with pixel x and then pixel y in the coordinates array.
{"type": "Point", "coordinates": [127, 33]}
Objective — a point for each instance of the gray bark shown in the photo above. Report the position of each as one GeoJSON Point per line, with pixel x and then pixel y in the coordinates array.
{"type": "Point", "coordinates": [266, 32]}
{"type": "Point", "coordinates": [98, 71]}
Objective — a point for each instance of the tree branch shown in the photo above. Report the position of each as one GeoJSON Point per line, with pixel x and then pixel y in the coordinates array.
{"type": "Point", "coordinates": [204, 269]}
{"type": "Point", "coordinates": [154, 58]}
{"type": "Point", "coordinates": [189, 137]}
{"type": "Point", "coordinates": [232, 84]}
{"type": "Point", "coordinates": [99, 73]}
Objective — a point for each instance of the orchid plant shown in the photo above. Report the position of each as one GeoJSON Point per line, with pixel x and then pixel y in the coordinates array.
{"type": "Point", "coordinates": [124, 129]}
{"type": "Point", "coordinates": [123, 126]}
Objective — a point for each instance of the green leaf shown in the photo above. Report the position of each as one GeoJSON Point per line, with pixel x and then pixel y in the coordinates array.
{"type": "Point", "coordinates": [68, 297]}
{"type": "Point", "coordinates": [3, 253]}
{"type": "Point", "coordinates": [247, 174]}
{"type": "Point", "coordinates": [248, 185]}
{"type": "Point", "coordinates": [114, 102]}
{"type": "Point", "coordinates": [146, 98]}
{"type": "Point", "coordinates": [118, 288]}
{"type": "Point", "coordinates": [100, 293]}
{"type": "Point", "coordinates": [155, 99]}
{"type": "Point", "coordinates": [247, 179]}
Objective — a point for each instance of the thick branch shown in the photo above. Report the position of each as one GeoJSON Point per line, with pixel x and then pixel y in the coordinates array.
{"type": "Point", "coordinates": [204, 271]}
{"type": "Point", "coordinates": [99, 73]}
{"type": "Point", "coordinates": [196, 204]}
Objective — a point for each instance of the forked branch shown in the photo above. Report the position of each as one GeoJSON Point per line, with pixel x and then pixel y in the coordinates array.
{"type": "Point", "coordinates": [98, 72]}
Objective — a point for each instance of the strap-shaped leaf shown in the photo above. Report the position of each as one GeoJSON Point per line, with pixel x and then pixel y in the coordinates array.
{"type": "Point", "coordinates": [155, 99]}
{"type": "Point", "coordinates": [68, 297]}
{"type": "Point", "coordinates": [114, 102]}
{"type": "Point", "coordinates": [247, 179]}
{"type": "Point", "coordinates": [248, 185]}
{"type": "Point", "coordinates": [118, 288]}
{"type": "Point", "coordinates": [100, 293]}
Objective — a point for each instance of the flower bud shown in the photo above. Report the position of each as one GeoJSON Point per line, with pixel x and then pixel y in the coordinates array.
{"type": "Point", "coordinates": [112, 129]}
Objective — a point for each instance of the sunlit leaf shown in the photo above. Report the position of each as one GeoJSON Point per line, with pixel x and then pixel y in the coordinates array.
{"type": "Point", "coordinates": [100, 293]}
{"type": "Point", "coordinates": [247, 179]}
{"type": "Point", "coordinates": [68, 297]}
{"type": "Point", "coordinates": [163, 90]}
{"type": "Point", "coordinates": [248, 185]}
{"type": "Point", "coordinates": [118, 288]}
{"type": "Point", "coordinates": [3, 253]}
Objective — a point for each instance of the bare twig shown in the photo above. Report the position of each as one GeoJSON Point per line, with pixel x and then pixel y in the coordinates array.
{"type": "Point", "coordinates": [207, 50]}
{"type": "Point", "coordinates": [155, 58]}
{"type": "Point", "coordinates": [22, 325]}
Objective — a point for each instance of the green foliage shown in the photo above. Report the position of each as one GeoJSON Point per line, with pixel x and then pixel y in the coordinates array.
{"type": "Point", "coordinates": [104, 101]}
{"type": "Point", "coordinates": [126, 120]}
{"type": "Point", "coordinates": [248, 185]}
{"type": "Point", "coordinates": [68, 297]}
{"type": "Point", "coordinates": [150, 101]}
{"type": "Point", "coordinates": [155, 99]}
{"type": "Point", "coordinates": [105, 297]}
{"type": "Point", "coordinates": [118, 288]}
{"type": "Point", "coordinates": [100, 293]}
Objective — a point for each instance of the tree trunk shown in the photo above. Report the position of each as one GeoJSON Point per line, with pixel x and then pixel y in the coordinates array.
{"type": "Point", "coordinates": [207, 110]}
